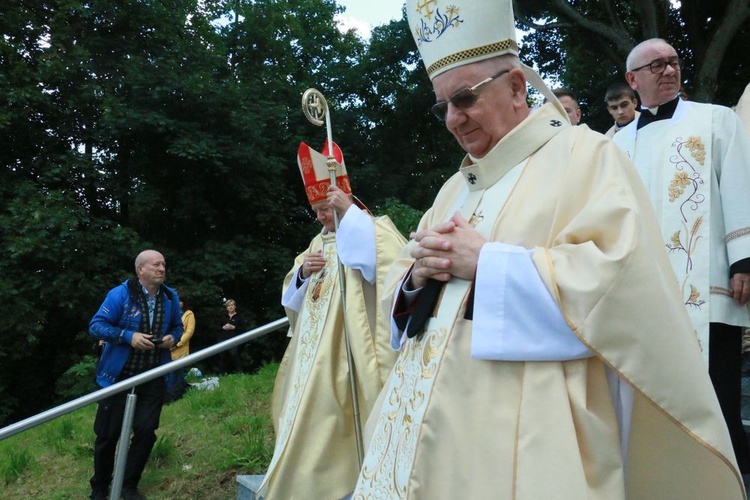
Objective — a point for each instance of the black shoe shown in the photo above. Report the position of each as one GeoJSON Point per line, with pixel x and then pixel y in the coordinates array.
{"type": "Point", "coordinates": [132, 494]}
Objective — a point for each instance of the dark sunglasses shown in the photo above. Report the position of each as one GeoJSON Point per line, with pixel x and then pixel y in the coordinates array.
{"type": "Point", "coordinates": [462, 99]}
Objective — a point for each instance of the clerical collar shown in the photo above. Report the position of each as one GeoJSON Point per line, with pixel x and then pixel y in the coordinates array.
{"type": "Point", "coordinates": [662, 112]}
{"type": "Point", "coordinates": [521, 142]}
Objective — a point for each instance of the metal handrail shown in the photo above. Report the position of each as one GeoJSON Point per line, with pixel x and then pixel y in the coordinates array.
{"type": "Point", "coordinates": [131, 382]}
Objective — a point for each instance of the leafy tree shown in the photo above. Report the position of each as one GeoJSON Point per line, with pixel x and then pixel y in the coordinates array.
{"type": "Point", "coordinates": [78, 380]}
{"type": "Point", "coordinates": [56, 257]}
{"type": "Point", "coordinates": [173, 125]}
{"type": "Point", "coordinates": [405, 218]}
{"type": "Point", "coordinates": [148, 124]}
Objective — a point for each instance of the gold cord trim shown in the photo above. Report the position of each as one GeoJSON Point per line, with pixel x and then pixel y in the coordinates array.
{"type": "Point", "coordinates": [503, 46]}
{"type": "Point", "coordinates": [717, 290]}
{"type": "Point", "coordinates": [736, 234]}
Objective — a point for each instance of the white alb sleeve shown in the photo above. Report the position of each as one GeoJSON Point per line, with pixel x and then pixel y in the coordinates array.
{"type": "Point", "coordinates": [294, 296]}
{"type": "Point", "coordinates": [355, 242]}
{"type": "Point", "coordinates": [515, 316]}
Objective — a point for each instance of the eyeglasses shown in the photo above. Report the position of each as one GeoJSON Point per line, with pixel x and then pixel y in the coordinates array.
{"type": "Point", "coordinates": [462, 99]}
{"type": "Point", "coordinates": [658, 67]}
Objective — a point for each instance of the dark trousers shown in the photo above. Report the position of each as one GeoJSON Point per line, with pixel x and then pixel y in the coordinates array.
{"type": "Point", "coordinates": [725, 369]}
{"type": "Point", "coordinates": [229, 360]}
{"type": "Point", "coordinates": [107, 427]}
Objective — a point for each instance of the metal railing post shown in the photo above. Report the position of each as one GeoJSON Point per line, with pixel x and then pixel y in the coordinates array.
{"type": "Point", "coordinates": [124, 445]}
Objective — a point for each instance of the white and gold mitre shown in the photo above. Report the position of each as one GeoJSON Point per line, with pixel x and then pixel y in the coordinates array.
{"type": "Point", "coordinates": [451, 33]}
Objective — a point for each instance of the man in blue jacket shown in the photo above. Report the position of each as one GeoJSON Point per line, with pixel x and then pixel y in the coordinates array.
{"type": "Point", "coordinates": [138, 322]}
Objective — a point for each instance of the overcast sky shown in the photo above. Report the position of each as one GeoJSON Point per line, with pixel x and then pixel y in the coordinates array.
{"type": "Point", "coordinates": [364, 15]}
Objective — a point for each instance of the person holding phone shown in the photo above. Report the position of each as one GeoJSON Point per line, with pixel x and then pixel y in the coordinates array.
{"type": "Point", "coordinates": [139, 322]}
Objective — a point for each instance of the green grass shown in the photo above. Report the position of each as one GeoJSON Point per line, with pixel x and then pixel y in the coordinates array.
{"type": "Point", "coordinates": [205, 439]}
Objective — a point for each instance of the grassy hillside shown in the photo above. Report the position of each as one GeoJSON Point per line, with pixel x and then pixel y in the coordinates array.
{"type": "Point", "coordinates": [205, 440]}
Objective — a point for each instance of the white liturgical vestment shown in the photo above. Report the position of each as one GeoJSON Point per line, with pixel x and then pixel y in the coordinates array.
{"type": "Point", "coordinates": [458, 420]}
{"type": "Point", "coordinates": [315, 455]}
{"type": "Point", "coordinates": [697, 172]}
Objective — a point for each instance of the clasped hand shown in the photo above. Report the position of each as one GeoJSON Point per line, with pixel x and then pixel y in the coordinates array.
{"type": "Point", "coordinates": [450, 249]}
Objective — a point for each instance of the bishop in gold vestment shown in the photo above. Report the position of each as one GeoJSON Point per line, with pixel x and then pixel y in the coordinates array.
{"type": "Point", "coordinates": [316, 452]}
{"type": "Point", "coordinates": [557, 361]}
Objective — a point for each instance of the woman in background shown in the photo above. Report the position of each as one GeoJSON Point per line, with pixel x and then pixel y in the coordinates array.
{"type": "Point", "coordinates": [176, 380]}
{"type": "Point", "coordinates": [182, 348]}
{"type": "Point", "coordinates": [231, 326]}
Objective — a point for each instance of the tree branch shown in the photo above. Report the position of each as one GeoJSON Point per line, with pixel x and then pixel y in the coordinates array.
{"type": "Point", "coordinates": [615, 34]}
{"type": "Point", "coordinates": [615, 57]}
{"type": "Point", "coordinates": [548, 26]}
{"type": "Point", "coordinates": [647, 11]}
{"type": "Point", "coordinates": [613, 17]}
{"type": "Point", "coordinates": [735, 14]}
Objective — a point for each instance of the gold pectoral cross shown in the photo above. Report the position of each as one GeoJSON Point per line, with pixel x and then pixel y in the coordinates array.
{"type": "Point", "coordinates": [476, 218]}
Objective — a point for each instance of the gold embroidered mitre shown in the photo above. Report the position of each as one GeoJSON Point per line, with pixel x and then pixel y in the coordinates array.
{"type": "Point", "coordinates": [314, 170]}
{"type": "Point", "coordinates": [453, 33]}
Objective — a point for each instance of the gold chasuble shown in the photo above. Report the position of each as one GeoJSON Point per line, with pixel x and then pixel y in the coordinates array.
{"type": "Point", "coordinates": [316, 455]}
{"type": "Point", "coordinates": [450, 426]}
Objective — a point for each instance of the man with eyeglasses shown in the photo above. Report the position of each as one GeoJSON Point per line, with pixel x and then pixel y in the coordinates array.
{"type": "Point", "coordinates": [536, 315]}
{"type": "Point", "coordinates": [695, 161]}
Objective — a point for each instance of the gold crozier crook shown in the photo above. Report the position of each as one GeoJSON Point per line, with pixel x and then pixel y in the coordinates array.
{"type": "Point", "coordinates": [315, 108]}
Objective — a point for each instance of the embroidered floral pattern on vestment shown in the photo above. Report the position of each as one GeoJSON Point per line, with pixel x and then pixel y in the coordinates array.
{"type": "Point", "coordinates": [431, 29]}
{"type": "Point", "coordinates": [686, 188]}
{"type": "Point", "coordinates": [386, 472]}
{"type": "Point", "coordinates": [310, 333]}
